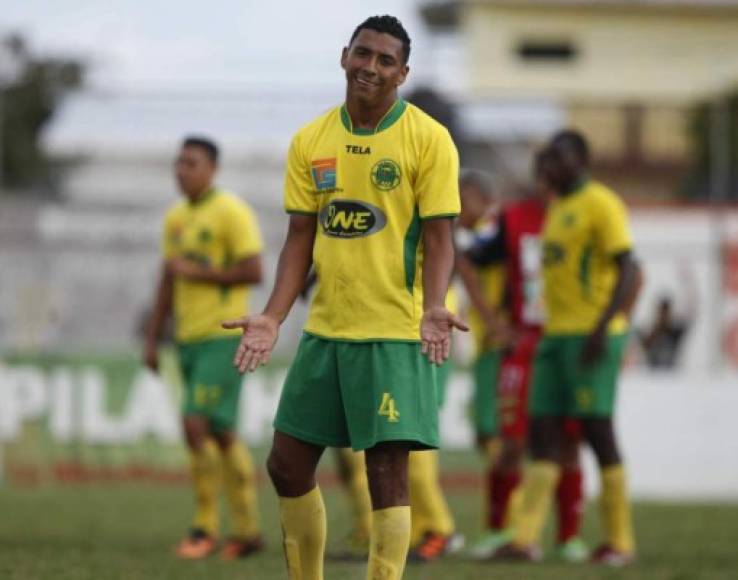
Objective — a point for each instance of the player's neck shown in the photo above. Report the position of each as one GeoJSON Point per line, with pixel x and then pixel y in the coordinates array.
{"type": "Point", "coordinates": [365, 116]}
{"type": "Point", "coordinates": [200, 196]}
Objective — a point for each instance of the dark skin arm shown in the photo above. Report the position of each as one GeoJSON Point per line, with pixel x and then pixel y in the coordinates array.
{"type": "Point", "coordinates": [161, 312]}
{"type": "Point", "coordinates": [246, 271]}
{"type": "Point", "coordinates": [260, 331]}
{"type": "Point", "coordinates": [438, 263]}
{"type": "Point", "coordinates": [623, 289]}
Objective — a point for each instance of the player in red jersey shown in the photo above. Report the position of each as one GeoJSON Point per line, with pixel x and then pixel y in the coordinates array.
{"type": "Point", "coordinates": [517, 245]}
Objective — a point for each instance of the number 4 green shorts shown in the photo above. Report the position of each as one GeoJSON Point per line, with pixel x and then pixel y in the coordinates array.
{"type": "Point", "coordinates": [562, 387]}
{"type": "Point", "coordinates": [358, 394]}
{"type": "Point", "coordinates": [212, 385]}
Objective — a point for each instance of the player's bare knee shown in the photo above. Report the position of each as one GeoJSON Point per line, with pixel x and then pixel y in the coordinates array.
{"type": "Point", "coordinates": [512, 454]}
{"type": "Point", "coordinates": [195, 431]}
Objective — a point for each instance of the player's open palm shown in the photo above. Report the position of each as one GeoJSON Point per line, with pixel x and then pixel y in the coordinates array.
{"type": "Point", "coordinates": [435, 333]}
{"type": "Point", "coordinates": [259, 336]}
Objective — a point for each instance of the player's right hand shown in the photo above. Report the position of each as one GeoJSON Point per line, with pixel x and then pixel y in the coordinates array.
{"type": "Point", "coordinates": [260, 333]}
{"type": "Point", "coordinates": [151, 357]}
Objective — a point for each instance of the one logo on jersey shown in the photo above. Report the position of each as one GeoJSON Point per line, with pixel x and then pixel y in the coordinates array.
{"type": "Point", "coordinates": [324, 173]}
{"type": "Point", "coordinates": [349, 218]}
{"type": "Point", "coordinates": [358, 149]}
{"type": "Point", "coordinates": [386, 175]}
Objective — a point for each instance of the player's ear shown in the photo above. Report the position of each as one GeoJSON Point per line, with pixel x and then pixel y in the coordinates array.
{"type": "Point", "coordinates": [404, 71]}
{"type": "Point", "coordinates": [344, 57]}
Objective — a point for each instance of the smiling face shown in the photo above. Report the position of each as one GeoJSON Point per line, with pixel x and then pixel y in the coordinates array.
{"type": "Point", "coordinates": [374, 67]}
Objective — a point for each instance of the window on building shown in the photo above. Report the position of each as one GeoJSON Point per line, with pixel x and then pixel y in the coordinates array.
{"type": "Point", "coordinates": [547, 51]}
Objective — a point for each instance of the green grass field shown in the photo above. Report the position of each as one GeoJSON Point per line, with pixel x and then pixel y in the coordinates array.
{"type": "Point", "coordinates": [127, 531]}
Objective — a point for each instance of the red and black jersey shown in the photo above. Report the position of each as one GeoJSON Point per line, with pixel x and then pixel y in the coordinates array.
{"type": "Point", "coordinates": [517, 243]}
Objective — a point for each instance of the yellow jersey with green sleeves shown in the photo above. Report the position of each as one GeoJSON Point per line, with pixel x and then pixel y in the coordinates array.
{"type": "Point", "coordinates": [371, 191]}
{"type": "Point", "coordinates": [218, 230]}
{"type": "Point", "coordinates": [582, 233]}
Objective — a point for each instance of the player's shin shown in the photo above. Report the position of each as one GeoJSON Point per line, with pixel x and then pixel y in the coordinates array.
{"type": "Point", "coordinates": [304, 528]}
{"type": "Point", "coordinates": [390, 540]}
{"type": "Point", "coordinates": [205, 468]}
{"type": "Point", "coordinates": [615, 506]}
{"type": "Point", "coordinates": [426, 497]}
{"type": "Point", "coordinates": [539, 482]}
{"type": "Point", "coordinates": [240, 484]}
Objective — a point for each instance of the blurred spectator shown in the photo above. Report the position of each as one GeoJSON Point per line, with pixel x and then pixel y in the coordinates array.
{"type": "Point", "coordinates": [661, 342]}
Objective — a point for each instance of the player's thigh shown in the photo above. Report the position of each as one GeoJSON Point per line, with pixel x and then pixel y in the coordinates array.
{"type": "Point", "coordinates": [513, 388]}
{"type": "Point", "coordinates": [389, 392]}
{"type": "Point", "coordinates": [486, 372]}
{"type": "Point", "coordinates": [310, 407]}
{"type": "Point", "coordinates": [212, 384]}
{"type": "Point", "coordinates": [592, 388]}
{"type": "Point", "coordinates": [547, 385]}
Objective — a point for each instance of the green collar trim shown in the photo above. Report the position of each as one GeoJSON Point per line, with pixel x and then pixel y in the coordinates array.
{"type": "Point", "coordinates": [389, 119]}
{"type": "Point", "coordinates": [204, 197]}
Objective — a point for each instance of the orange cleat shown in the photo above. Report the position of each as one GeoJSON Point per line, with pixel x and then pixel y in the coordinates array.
{"type": "Point", "coordinates": [196, 546]}
{"type": "Point", "coordinates": [238, 548]}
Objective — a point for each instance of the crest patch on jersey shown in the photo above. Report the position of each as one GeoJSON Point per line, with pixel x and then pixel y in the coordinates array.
{"type": "Point", "coordinates": [386, 175]}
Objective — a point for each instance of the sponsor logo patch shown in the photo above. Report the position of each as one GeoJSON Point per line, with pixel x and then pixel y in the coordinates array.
{"type": "Point", "coordinates": [324, 173]}
{"type": "Point", "coordinates": [350, 218]}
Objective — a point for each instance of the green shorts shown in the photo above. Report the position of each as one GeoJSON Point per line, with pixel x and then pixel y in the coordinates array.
{"type": "Point", "coordinates": [358, 394]}
{"type": "Point", "coordinates": [212, 384]}
{"type": "Point", "coordinates": [563, 387]}
{"type": "Point", "coordinates": [486, 370]}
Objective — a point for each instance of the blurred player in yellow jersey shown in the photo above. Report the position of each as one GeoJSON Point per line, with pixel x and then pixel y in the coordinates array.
{"type": "Point", "coordinates": [211, 256]}
{"type": "Point", "coordinates": [589, 283]}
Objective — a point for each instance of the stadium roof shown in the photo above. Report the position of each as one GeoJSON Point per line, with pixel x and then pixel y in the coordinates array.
{"type": "Point", "coordinates": [444, 13]}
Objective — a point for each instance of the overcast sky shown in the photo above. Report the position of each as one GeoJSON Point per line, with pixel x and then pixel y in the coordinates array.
{"type": "Point", "coordinates": [152, 43]}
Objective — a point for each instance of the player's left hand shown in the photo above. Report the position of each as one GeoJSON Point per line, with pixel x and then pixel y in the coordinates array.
{"type": "Point", "coordinates": [435, 333]}
{"type": "Point", "coordinates": [184, 268]}
{"type": "Point", "coordinates": [594, 347]}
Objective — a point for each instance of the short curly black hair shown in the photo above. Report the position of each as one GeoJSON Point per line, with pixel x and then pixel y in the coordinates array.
{"type": "Point", "coordinates": [389, 25]}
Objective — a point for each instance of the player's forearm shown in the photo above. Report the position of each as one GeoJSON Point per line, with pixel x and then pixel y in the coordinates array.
{"type": "Point", "coordinates": [623, 288]}
{"type": "Point", "coordinates": [293, 267]}
{"type": "Point", "coordinates": [473, 285]}
{"type": "Point", "coordinates": [438, 261]}
{"type": "Point", "coordinates": [162, 308]}
{"type": "Point", "coordinates": [248, 271]}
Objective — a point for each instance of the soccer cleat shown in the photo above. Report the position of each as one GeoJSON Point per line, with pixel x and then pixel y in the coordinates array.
{"type": "Point", "coordinates": [574, 551]}
{"type": "Point", "coordinates": [512, 553]}
{"type": "Point", "coordinates": [488, 544]}
{"type": "Point", "coordinates": [609, 556]}
{"type": "Point", "coordinates": [241, 548]}
{"type": "Point", "coordinates": [433, 546]}
{"type": "Point", "coordinates": [197, 545]}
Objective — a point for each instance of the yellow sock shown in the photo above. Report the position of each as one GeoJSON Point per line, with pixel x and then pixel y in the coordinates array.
{"type": "Point", "coordinates": [205, 470]}
{"type": "Point", "coordinates": [358, 488]}
{"type": "Point", "coordinates": [390, 540]}
{"type": "Point", "coordinates": [304, 529]}
{"type": "Point", "coordinates": [240, 484]}
{"type": "Point", "coordinates": [616, 509]}
{"type": "Point", "coordinates": [429, 511]}
{"type": "Point", "coordinates": [539, 482]}
{"type": "Point", "coordinates": [492, 449]}
{"type": "Point", "coordinates": [514, 505]}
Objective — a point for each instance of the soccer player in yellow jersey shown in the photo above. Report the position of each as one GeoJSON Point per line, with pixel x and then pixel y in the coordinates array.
{"type": "Point", "coordinates": [590, 279]}
{"type": "Point", "coordinates": [371, 188]}
{"type": "Point", "coordinates": [211, 246]}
